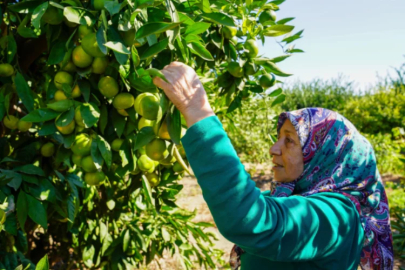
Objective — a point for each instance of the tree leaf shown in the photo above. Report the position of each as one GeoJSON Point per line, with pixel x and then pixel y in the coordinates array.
{"type": "Point", "coordinates": [71, 208]}
{"type": "Point", "coordinates": [142, 83]}
{"type": "Point", "coordinates": [88, 254]}
{"type": "Point", "coordinates": [276, 92]}
{"type": "Point", "coordinates": [37, 14]}
{"type": "Point", "coordinates": [13, 179]}
{"type": "Point", "coordinates": [43, 264]}
{"type": "Point", "coordinates": [96, 155]}
{"type": "Point", "coordinates": [67, 89]}
{"type": "Point", "coordinates": [219, 18]}
{"type": "Point", "coordinates": [113, 35]}
{"type": "Point", "coordinates": [26, 32]}
{"type": "Point", "coordinates": [198, 49]}
{"type": "Point", "coordinates": [11, 48]}
{"type": "Point", "coordinates": [40, 115]}
{"type": "Point", "coordinates": [277, 30]}
{"type": "Point", "coordinates": [154, 28]}
{"type": "Point", "coordinates": [174, 15]}
{"type": "Point", "coordinates": [66, 118]}
{"type": "Point", "coordinates": [295, 51]}
{"type": "Point", "coordinates": [165, 235]}
{"type": "Point", "coordinates": [271, 67]}
{"type": "Point", "coordinates": [30, 179]}
{"type": "Point", "coordinates": [186, 20]}
{"type": "Point", "coordinates": [144, 136]}
{"type": "Point", "coordinates": [205, 6]}
{"type": "Point", "coordinates": [45, 191]}
{"type": "Point", "coordinates": [103, 118]}
{"type": "Point", "coordinates": [30, 169]}
{"type": "Point", "coordinates": [117, 46]}
{"type": "Point", "coordinates": [236, 103]}
{"type": "Point", "coordinates": [285, 20]}
{"type": "Point", "coordinates": [173, 121]}
{"type": "Point", "coordinates": [186, 246]}
{"type": "Point", "coordinates": [126, 155]}
{"type": "Point", "coordinates": [277, 2]}
{"type": "Point", "coordinates": [197, 28]}
{"type": "Point", "coordinates": [278, 100]}
{"type": "Point", "coordinates": [135, 56]}
{"type": "Point", "coordinates": [21, 242]}
{"type": "Point", "coordinates": [68, 140]}
{"type": "Point", "coordinates": [126, 240]}
{"type": "Point", "coordinates": [90, 114]}
{"type": "Point", "coordinates": [181, 49]}
{"type": "Point", "coordinates": [113, 7]}
{"type": "Point", "coordinates": [101, 34]}
{"type": "Point", "coordinates": [147, 190]}
{"type": "Point", "coordinates": [103, 230]}
{"type": "Point", "coordinates": [48, 128]}
{"type": "Point", "coordinates": [118, 122]}
{"type": "Point", "coordinates": [57, 53]}
{"type": "Point", "coordinates": [105, 150]}
{"type": "Point", "coordinates": [108, 240]}
{"type": "Point", "coordinates": [279, 58]}
{"type": "Point", "coordinates": [62, 105]}
{"type": "Point", "coordinates": [24, 92]}
{"type": "Point", "coordinates": [25, 6]}
{"type": "Point", "coordinates": [36, 211]}
{"type": "Point", "coordinates": [10, 225]}
{"type": "Point", "coordinates": [22, 209]}
{"type": "Point", "coordinates": [155, 49]}
{"type": "Point", "coordinates": [79, 15]}
{"type": "Point", "coordinates": [292, 38]}
{"type": "Point", "coordinates": [84, 86]}
{"type": "Point", "coordinates": [69, 47]}
{"type": "Point", "coordinates": [205, 224]}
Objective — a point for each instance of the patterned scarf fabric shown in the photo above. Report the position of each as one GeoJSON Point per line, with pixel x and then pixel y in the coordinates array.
{"type": "Point", "coordinates": [337, 158]}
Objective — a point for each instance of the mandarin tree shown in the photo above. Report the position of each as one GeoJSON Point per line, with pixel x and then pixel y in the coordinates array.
{"type": "Point", "coordinates": [90, 149]}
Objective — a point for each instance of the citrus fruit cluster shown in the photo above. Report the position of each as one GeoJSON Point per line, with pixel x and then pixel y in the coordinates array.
{"type": "Point", "coordinates": [138, 109]}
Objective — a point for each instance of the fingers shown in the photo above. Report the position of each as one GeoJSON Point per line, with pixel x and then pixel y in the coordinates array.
{"type": "Point", "coordinates": [162, 84]}
{"type": "Point", "coordinates": [175, 66]}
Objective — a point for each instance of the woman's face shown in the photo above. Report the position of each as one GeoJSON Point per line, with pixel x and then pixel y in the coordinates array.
{"type": "Point", "coordinates": [287, 155]}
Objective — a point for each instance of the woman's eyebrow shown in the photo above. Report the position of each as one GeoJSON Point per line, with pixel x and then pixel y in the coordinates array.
{"type": "Point", "coordinates": [286, 131]}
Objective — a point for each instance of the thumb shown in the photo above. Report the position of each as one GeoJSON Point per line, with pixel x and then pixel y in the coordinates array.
{"type": "Point", "coordinates": [162, 84]}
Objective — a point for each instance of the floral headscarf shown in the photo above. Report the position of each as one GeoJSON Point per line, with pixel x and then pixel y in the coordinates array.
{"type": "Point", "coordinates": [337, 158]}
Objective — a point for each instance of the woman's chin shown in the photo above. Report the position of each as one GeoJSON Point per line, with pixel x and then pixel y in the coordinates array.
{"type": "Point", "coordinates": [280, 179]}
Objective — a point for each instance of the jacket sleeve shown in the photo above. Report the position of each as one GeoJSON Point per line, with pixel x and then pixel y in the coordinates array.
{"type": "Point", "coordinates": [281, 229]}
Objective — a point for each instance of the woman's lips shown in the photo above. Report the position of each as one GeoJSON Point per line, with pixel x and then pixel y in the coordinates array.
{"type": "Point", "coordinates": [276, 167]}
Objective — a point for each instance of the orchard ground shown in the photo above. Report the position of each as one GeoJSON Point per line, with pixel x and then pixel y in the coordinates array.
{"type": "Point", "coordinates": [191, 198]}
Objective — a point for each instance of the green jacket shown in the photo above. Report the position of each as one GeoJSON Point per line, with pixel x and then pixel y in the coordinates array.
{"type": "Point", "coordinates": [322, 231]}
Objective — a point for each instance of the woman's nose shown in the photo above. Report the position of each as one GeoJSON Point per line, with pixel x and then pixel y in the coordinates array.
{"type": "Point", "coordinates": [275, 149]}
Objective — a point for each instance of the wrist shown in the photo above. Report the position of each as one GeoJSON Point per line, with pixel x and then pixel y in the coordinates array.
{"type": "Point", "coordinates": [195, 116]}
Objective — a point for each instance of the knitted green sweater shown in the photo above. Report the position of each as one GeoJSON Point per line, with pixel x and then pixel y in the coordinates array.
{"type": "Point", "coordinates": [322, 231]}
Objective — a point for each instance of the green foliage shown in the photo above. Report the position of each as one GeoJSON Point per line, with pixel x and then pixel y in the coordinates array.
{"type": "Point", "coordinates": [378, 111]}
{"type": "Point", "coordinates": [396, 198]}
{"type": "Point", "coordinates": [389, 151]}
{"type": "Point", "coordinates": [396, 194]}
{"type": "Point", "coordinates": [332, 94]}
{"type": "Point", "coordinates": [249, 131]}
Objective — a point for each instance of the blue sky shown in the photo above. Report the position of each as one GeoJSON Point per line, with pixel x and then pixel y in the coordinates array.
{"type": "Point", "coordinates": [356, 38]}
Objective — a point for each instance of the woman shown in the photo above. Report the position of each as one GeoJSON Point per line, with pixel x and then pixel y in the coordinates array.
{"type": "Point", "coordinates": [328, 208]}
